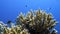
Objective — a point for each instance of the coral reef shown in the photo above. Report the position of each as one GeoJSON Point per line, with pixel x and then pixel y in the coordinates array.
{"type": "Point", "coordinates": [36, 22]}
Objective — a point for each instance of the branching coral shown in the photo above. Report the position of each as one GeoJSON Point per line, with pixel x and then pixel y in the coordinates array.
{"type": "Point", "coordinates": [37, 22]}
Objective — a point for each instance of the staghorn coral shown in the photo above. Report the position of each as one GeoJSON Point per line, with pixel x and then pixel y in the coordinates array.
{"type": "Point", "coordinates": [15, 30]}
{"type": "Point", "coordinates": [38, 22]}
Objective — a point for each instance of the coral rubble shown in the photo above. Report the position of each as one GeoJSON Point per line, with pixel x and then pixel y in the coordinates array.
{"type": "Point", "coordinates": [37, 22]}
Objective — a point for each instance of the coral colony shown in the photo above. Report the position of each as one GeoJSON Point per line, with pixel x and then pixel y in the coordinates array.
{"type": "Point", "coordinates": [36, 22]}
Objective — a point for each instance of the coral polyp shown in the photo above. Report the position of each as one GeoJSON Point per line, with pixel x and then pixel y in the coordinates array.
{"type": "Point", "coordinates": [34, 22]}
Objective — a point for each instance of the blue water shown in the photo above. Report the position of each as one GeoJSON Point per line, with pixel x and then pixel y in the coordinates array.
{"type": "Point", "coordinates": [10, 9]}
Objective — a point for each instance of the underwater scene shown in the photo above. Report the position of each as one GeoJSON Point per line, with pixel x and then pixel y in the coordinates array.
{"type": "Point", "coordinates": [29, 16]}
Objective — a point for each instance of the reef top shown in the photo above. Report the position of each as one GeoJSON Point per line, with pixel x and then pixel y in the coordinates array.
{"type": "Point", "coordinates": [35, 22]}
